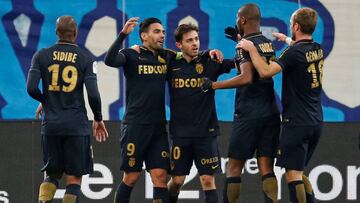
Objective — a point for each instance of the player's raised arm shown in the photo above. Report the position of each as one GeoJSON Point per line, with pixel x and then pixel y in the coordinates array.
{"type": "Point", "coordinates": [114, 57]}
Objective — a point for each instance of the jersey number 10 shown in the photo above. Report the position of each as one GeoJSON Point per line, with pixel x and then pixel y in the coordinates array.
{"type": "Point", "coordinates": [69, 75]}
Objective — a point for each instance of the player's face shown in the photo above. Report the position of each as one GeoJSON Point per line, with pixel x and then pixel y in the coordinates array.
{"type": "Point", "coordinates": [155, 36]}
{"type": "Point", "coordinates": [190, 44]}
{"type": "Point", "coordinates": [239, 23]}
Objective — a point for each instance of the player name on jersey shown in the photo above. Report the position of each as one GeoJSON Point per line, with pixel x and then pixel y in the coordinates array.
{"type": "Point", "coordinates": [266, 47]}
{"type": "Point", "coordinates": [315, 55]}
{"type": "Point", "coordinates": [64, 56]}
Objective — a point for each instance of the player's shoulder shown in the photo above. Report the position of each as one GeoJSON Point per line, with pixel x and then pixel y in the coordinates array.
{"type": "Point", "coordinates": [289, 51]}
{"type": "Point", "coordinates": [257, 38]}
{"type": "Point", "coordinates": [263, 44]}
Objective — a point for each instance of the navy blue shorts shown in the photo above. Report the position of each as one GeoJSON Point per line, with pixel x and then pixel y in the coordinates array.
{"type": "Point", "coordinates": [144, 143]}
{"type": "Point", "coordinates": [260, 135]}
{"type": "Point", "coordinates": [202, 150]}
{"type": "Point", "coordinates": [71, 155]}
{"type": "Point", "coordinates": [297, 145]}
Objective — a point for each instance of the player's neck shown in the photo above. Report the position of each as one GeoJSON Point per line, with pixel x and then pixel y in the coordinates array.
{"type": "Point", "coordinates": [301, 36]}
{"type": "Point", "coordinates": [149, 48]}
{"type": "Point", "coordinates": [65, 40]}
{"type": "Point", "coordinates": [251, 30]}
{"type": "Point", "coordinates": [188, 58]}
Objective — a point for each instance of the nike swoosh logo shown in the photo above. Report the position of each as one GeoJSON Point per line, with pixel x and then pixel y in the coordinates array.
{"type": "Point", "coordinates": [214, 167]}
{"type": "Point", "coordinates": [142, 59]}
{"type": "Point", "coordinates": [176, 69]}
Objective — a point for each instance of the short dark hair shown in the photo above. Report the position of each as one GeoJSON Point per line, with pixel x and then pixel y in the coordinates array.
{"type": "Point", "coordinates": [307, 19]}
{"type": "Point", "coordinates": [184, 28]}
{"type": "Point", "coordinates": [145, 24]}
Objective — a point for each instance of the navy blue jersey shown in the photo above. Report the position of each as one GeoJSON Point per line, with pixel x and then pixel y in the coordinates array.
{"type": "Point", "coordinates": [145, 74]}
{"type": "Point", "coordinates": [256, 100]}
{"type": "Point", "coordinates": [63, 69]}
{"type": "Point", "coordinates": [302, 66]}
{"type": "Point", "coordinates": [193, 112]}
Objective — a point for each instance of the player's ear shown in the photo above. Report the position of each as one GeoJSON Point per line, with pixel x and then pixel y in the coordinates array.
{"type": "Point", "coordinates": [178, 45]}
{"type": "Point", "coordinates": [144, 36]}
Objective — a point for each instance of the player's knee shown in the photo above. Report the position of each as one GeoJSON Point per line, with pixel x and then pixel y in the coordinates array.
{"type": "Point", "coordinates": [131, 178]}
{"type": "Point", "coordinates": [178, 182]}
{"type": "Point", "coordinates": [207, 182]}
{"type": "Point", "coordinates": [158, 177]}
{"type": "Point", "coordinates": [293, 175]}
{"type": "Point", "coordinates": [233, 169]}
{"type": "Point", "coordinates": [73, 180]}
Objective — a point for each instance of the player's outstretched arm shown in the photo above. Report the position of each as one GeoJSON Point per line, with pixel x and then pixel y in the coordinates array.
{"type": "Point", "coordinates": [114, 57]}
{"type": "Point", "coordinates": [245, 77]}
{"type": "Point", "coordinates": [283, 38]}
{"type": "Point", "coordinates": [265, 70]}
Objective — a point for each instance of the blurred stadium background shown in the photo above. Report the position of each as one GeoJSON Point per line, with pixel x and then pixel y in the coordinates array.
{"type": "Point", "coordinates": [29, 25]}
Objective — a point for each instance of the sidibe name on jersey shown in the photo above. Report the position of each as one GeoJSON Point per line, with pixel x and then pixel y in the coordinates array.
{"type": "Point", "coordinates": [151, 69]}
{"type": "Point", "coordinates": [64, 56]}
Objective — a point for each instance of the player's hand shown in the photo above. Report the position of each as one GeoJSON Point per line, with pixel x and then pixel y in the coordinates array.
{"type": "Point", "coordinates": [279, 36]}
{"type": "Point", "coordinates": [206, 85]}
{"type": "Point", "coordinates": [39, 112]}
{"type": "Point", "coordinates": [232, 33]}
{"type": "Point", "coordinates": [216, 55]}
{"type": "Point", "coordinates": [283, 38]}
{"type": "Point", "coordinates": [99, 131]}
{"type": "Point", "coordinates": [130, 25]}
{"type": "Point", "coordinates": [246, 45]}
{"type": "Point", "coordinates": [136, 48]}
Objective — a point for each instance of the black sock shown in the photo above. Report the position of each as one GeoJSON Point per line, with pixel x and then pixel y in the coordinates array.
{"type": "Point", "coordinates": [310, 197]}
{"type": "Point", "coordinates": [161, 195]}
{"type": "Point", "coordinates": [231, 189]}
{"type": "Point", "coordinates": [72, 193]}
{"type": "Point", "coordinates": [123, 193]}
{"type": "Point", "coordinates": [270, 188]}
{"type": "Point", "coordinates": [211, 196]}
{"type": "Point", "coordinates": [297, 191]}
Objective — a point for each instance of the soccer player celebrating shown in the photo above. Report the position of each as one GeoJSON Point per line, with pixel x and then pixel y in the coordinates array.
{"type": "Point", "coordinates": [193, 122]}
{"type": "Point", "coordinates": [144, 136]}
{"type": "Point", "coordinates": [256, 120]}
{"type": "Point", "coordinates": [64, 69]}
{"type": "Point", "coordinates": [302, 67]}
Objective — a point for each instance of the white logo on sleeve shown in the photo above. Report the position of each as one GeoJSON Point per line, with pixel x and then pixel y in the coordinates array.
{"type": "Point", "coordinates": [95, 67]}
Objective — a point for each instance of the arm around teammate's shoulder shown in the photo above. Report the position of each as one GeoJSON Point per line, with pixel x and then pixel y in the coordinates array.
{"type": "Point", "coordinates": [264, 69]}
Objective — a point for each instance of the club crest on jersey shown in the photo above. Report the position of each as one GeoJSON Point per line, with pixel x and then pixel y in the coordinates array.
{"type": "Point", "coordinates": [131, 162]}
{"type": "Point", "coordinates": [199, 68]}
{"type": "Point", "coordinates": [161, 60]}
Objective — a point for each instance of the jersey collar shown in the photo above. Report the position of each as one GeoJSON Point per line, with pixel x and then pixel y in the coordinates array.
{"type": "Point", "coordinates": [66, 42]}
{"type": "Point", "coordinates": [255, 34]}
{"type": "Point", "coordinates": [304, 41]}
